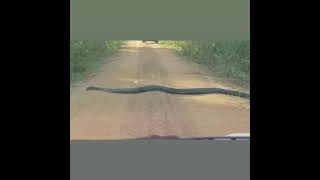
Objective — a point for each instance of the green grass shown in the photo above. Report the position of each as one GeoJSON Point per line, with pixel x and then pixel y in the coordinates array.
{"type": "Point", "coordinates": [227, 59]}
{"type": "Point", "coordinates": [86, 56]}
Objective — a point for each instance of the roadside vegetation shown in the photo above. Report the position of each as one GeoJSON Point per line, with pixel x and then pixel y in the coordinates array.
{"type": "Point", "coordinates": [86, 56]}
{"type": "Point", "coordinates": [227, 59]}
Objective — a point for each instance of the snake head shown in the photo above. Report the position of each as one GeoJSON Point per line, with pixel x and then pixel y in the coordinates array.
{"type": "Point", "coordinates": [91, 88]}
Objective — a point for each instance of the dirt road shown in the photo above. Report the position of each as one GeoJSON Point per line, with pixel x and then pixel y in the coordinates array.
{"type": "Point", "coordinates": [98, 115]}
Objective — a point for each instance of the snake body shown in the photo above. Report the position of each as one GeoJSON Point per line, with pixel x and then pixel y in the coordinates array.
{"type": "Point", "coordinates": [191, 91]}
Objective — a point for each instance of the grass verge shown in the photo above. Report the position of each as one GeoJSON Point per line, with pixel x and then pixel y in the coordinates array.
{"type": "Point", "coordinates": [229, 60]}
{"type": "Point", "coordinates": [86, 56]}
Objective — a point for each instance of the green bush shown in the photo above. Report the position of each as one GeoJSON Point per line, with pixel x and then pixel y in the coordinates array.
{"type": "Point", "coordinates": [229, 59]}
{"type": "Point", "coordinates": [87, 55]}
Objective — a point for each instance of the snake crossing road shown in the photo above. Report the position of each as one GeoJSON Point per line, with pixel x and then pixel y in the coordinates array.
{"type": "Point", "coordinates": [190, 91]}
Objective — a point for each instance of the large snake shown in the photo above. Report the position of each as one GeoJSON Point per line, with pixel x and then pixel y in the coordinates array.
{"type": "Point", "coordinates": [191, 91]}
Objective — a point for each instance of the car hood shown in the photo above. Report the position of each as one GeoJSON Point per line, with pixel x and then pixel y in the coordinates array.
{"type": "Point", "coordinates": [234, 136]}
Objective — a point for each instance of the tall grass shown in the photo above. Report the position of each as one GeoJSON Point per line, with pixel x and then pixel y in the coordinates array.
{"type": "Point", "coordinates": [227, 59]}
{"type": "Point", "coordinates": [85, 56]}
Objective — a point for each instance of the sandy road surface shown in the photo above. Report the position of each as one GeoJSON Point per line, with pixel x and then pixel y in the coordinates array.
{"type": "Point", "coordinates": [98, 115]}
